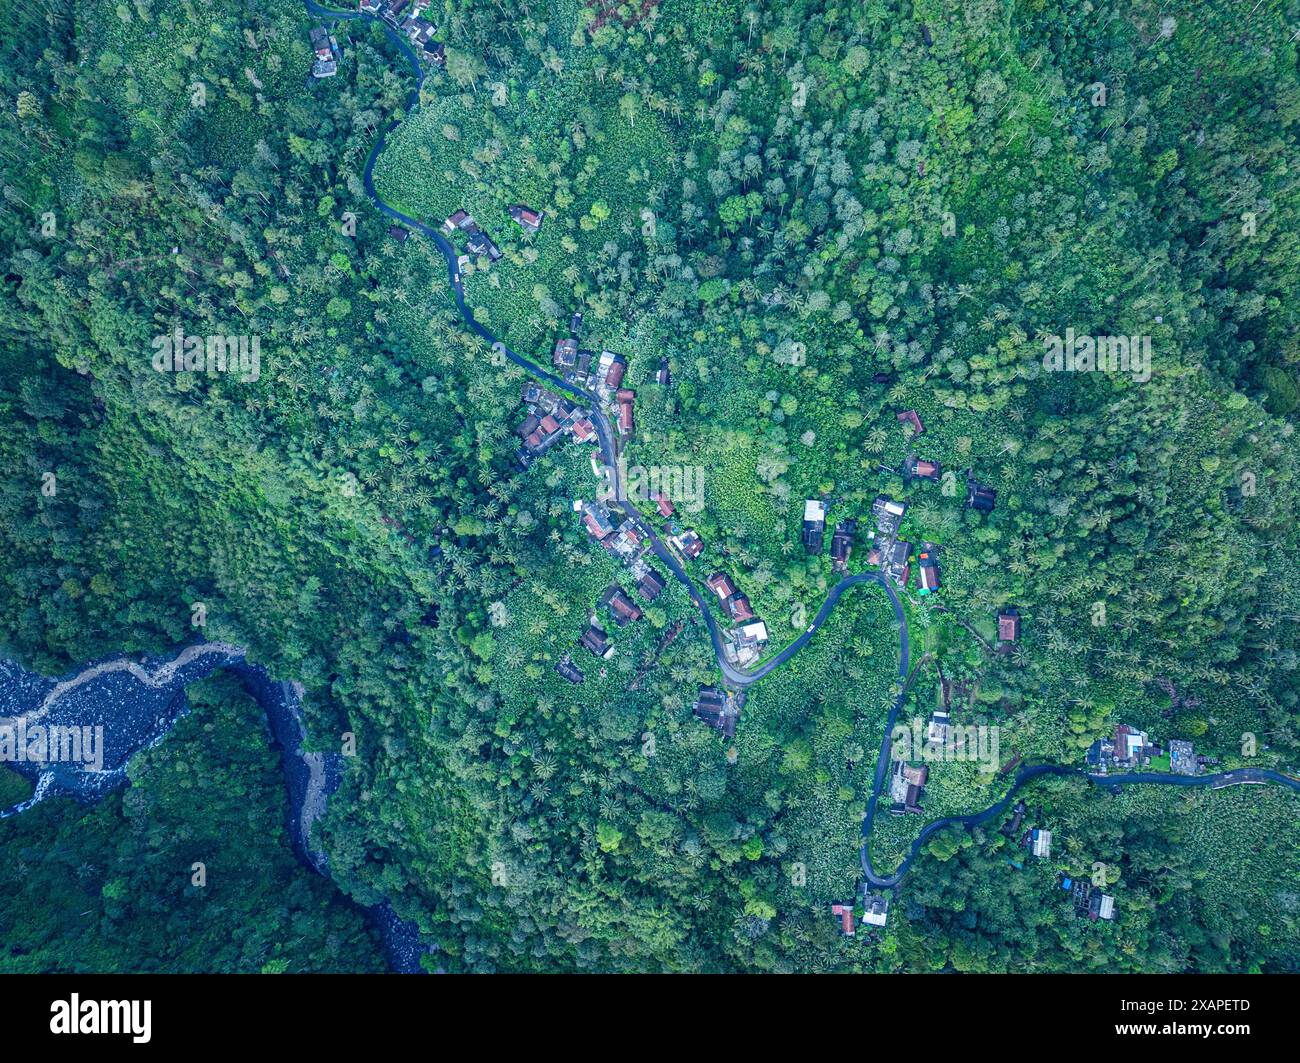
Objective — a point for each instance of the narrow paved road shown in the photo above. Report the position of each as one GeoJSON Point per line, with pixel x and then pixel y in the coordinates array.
{"type": "Point", "coordinates": [737, 677]}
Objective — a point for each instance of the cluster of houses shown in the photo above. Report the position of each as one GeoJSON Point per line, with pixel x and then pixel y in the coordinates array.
{"type": "Point", "coordinates": [477, 242]}
{"type": "Point", "coordinates": [875, 912]}
{"type": "Point", "coordinates": [629, 545]}
{"type": "Point", "coordinates": [892, 554]}
{"type": "Point", "coordinates": [407, 17]}
{"type": "Point", "coordinates": [1090, 902]}
{"type": "Point", "coordinates": [1131, 750]}
{"type": "Point", "coordinates": [325, 53]}
{"type": "Point", "coordinates": [602, 374]}
{"type": "Point", "coordinates": [550, 418]}
{"type": "Point", "coordinates": [743, 644]}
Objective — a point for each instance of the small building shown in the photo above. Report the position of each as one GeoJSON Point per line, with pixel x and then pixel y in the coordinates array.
{"type": "Point", "coordinates": [480, 244]}
{"type": "Point", "coordinates": [436, 53]}
{"type": "Point", "coordinates": [621, 607]}
{"type": "Point", "coordinates": [596, 518]}
{"type": "Point", "coordinates": [663, 377]}
{"type": "Point", "coordinates": [1182, 758]}
{"type": "Point", "coordinates": [651, 585]}
{"type": "Point", "coordinates": [595, 640]}
{"type": "Point", "coordinates": [906, 786]}
{"type": "Point", "coordinates": [527, 219]}
{"type": "Point", "coordinates": [875, 909]}
{"type": "Point", "coordinates": [898, 562]}
{"type": "Point", "coordinates": [1040, 843]}
{"type": "Point", "coordinates": [459, 220]}
{"type": "Point", "coordinates": [565, 354]}
{"type": "Point", "coordinates": [1106, 907]}
{"type": "Point", "coordinates": [936, 734]}
{"type": "Point", "coordinates": [744, 645]}
{"type": "Point", "coordinates": [718, 709]}
{"type": "Point", "coordinates": [913, 419]}
{"type": "Point", "coordinates": [399, 233]}
{"type": "Point", "coordinates": [920, 469]}
{"type": "Point", "coordinates": [814, 524]}
{"type": "Point", "coordinates": [929, 562]}
{"type": "Point", "coordinates": [980, 498]}
{"type": "Point", "coordinates": [1008, 625]}
{"type": "Point", "coordinates": [844, 912]}
{"type": "Point", "coordinates": [842, 544]}
{"type": "Point", "coordinates": [565, 668]}
{"type": "Point", "coordinates": [720, 584]}
{"type": "Point", "coordinates": [614, 374]}
{"type": "Point", "coordinates": [689, 543]}
{"type": "Point", "coordinates": [663, 503]}
{"type": "Point", "coordinates": [1012, 827]}
{"type": "Point", "coordinates": [739, 609]}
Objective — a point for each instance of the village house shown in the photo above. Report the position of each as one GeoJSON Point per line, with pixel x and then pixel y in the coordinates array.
{"type": "Point", "coordinates": [575, 322]}
{"type": "Point", "coordinates": [595, 640]}
{"type": "Point", "coordinates": [936, 734]}
{"type": "Point", "coordinates": [720, 584]}
{"type": "Point", "coordinates": [418, 30]}
{"type": "Point", "coordinates": [739, 609]}
{"type": "Point", "coordinates": [613, 369]}
{"type": "Point", "coordinates": [625, 396]}
{"type": "Point", "coordinates": [459, 220]}
{"type": "Point", "coordinates": [744, 645]}
{"type": "Point", "coordinates": [479, 243]}
{"type": "Point", "coordinates": [565, 354]}
{"type": "Point", "coordinates": [979, 497]}
{"type": "Point", "coordinates": [325, 51]}
{"type": "Point", "coordinates": [718, 709]}
{"type": "Point", "coordinates": [435, 52]}
{"type": "Point", "coordinates": [688, 543]}
{"type": "Point", "coordinates": [663, 503]}
{"type": "Point", "coordinates": [626, 543]}
{"type": "Point", "coordinates": [916, 468]}
{"type": "Point", "coordinates": [912, 418]}
{"type": "Point", "coordinates": [1008, 625]}
{"type": "Point", "coordinates": [842, 544]}
{"type": "Point", "coordinates": [663, 377]}
{"type": "Point", "coordinates": [875, 908]}
{"type": "Point", "coordinates": [1040, 843]}
{"type": "Point", "coordinates": [596, 518]}
{"type": "Point", "coordinates": [565, 668]}
{"type": "Point", "coordinates": [897, 562]}
{"type": "Point", "coordinates": [528, 219]}
{"type": "Point", "coordinates": [844, 912]}
{"type": "Point", "coordinates": [1182, 760]}
{"type": "Point", "coordinates": [398, 233]}
{"type": "Point", "coordinates": [906, 786]}
{"type": "Point", "coordinates": [371, 7]}
{"type": "Point", "coordinates": [651, 585]}
{"type": "Point", "coordinates": [814, 524]}
{"type": "Point", "coordinates": [929, 576]}
{"type": "Point", "coordinates": [391, 12]}
{"type": "Point", "coordinates": [1012, 826]}
{"type": "Point", "coordinates": [621, 607]}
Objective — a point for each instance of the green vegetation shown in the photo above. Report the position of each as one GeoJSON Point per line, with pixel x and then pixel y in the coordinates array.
{"type": "Point", "coordinates": [820, 221]}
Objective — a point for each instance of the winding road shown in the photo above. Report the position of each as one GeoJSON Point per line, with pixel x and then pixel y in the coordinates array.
{"type": "Point", "coordinates": [742, 678]}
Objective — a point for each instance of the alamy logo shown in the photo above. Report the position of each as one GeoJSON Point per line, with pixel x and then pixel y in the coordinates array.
{"type": "Point", "coordinates": [102, 1016]}
{"type": "Point", "coordinates": [1099, 354]}
{"type": "Point", "coordinates": [20, 744]}
{"type": "Point", "coordinates": [179, 353]}
{"type": "Point", "coordinates": [946, 743]}
{"type": "Point", "coordinates": [683, 485]}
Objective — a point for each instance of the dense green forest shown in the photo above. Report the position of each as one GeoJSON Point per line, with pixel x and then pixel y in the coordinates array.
{"type": "Point", "coordinates": [821, 215]}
